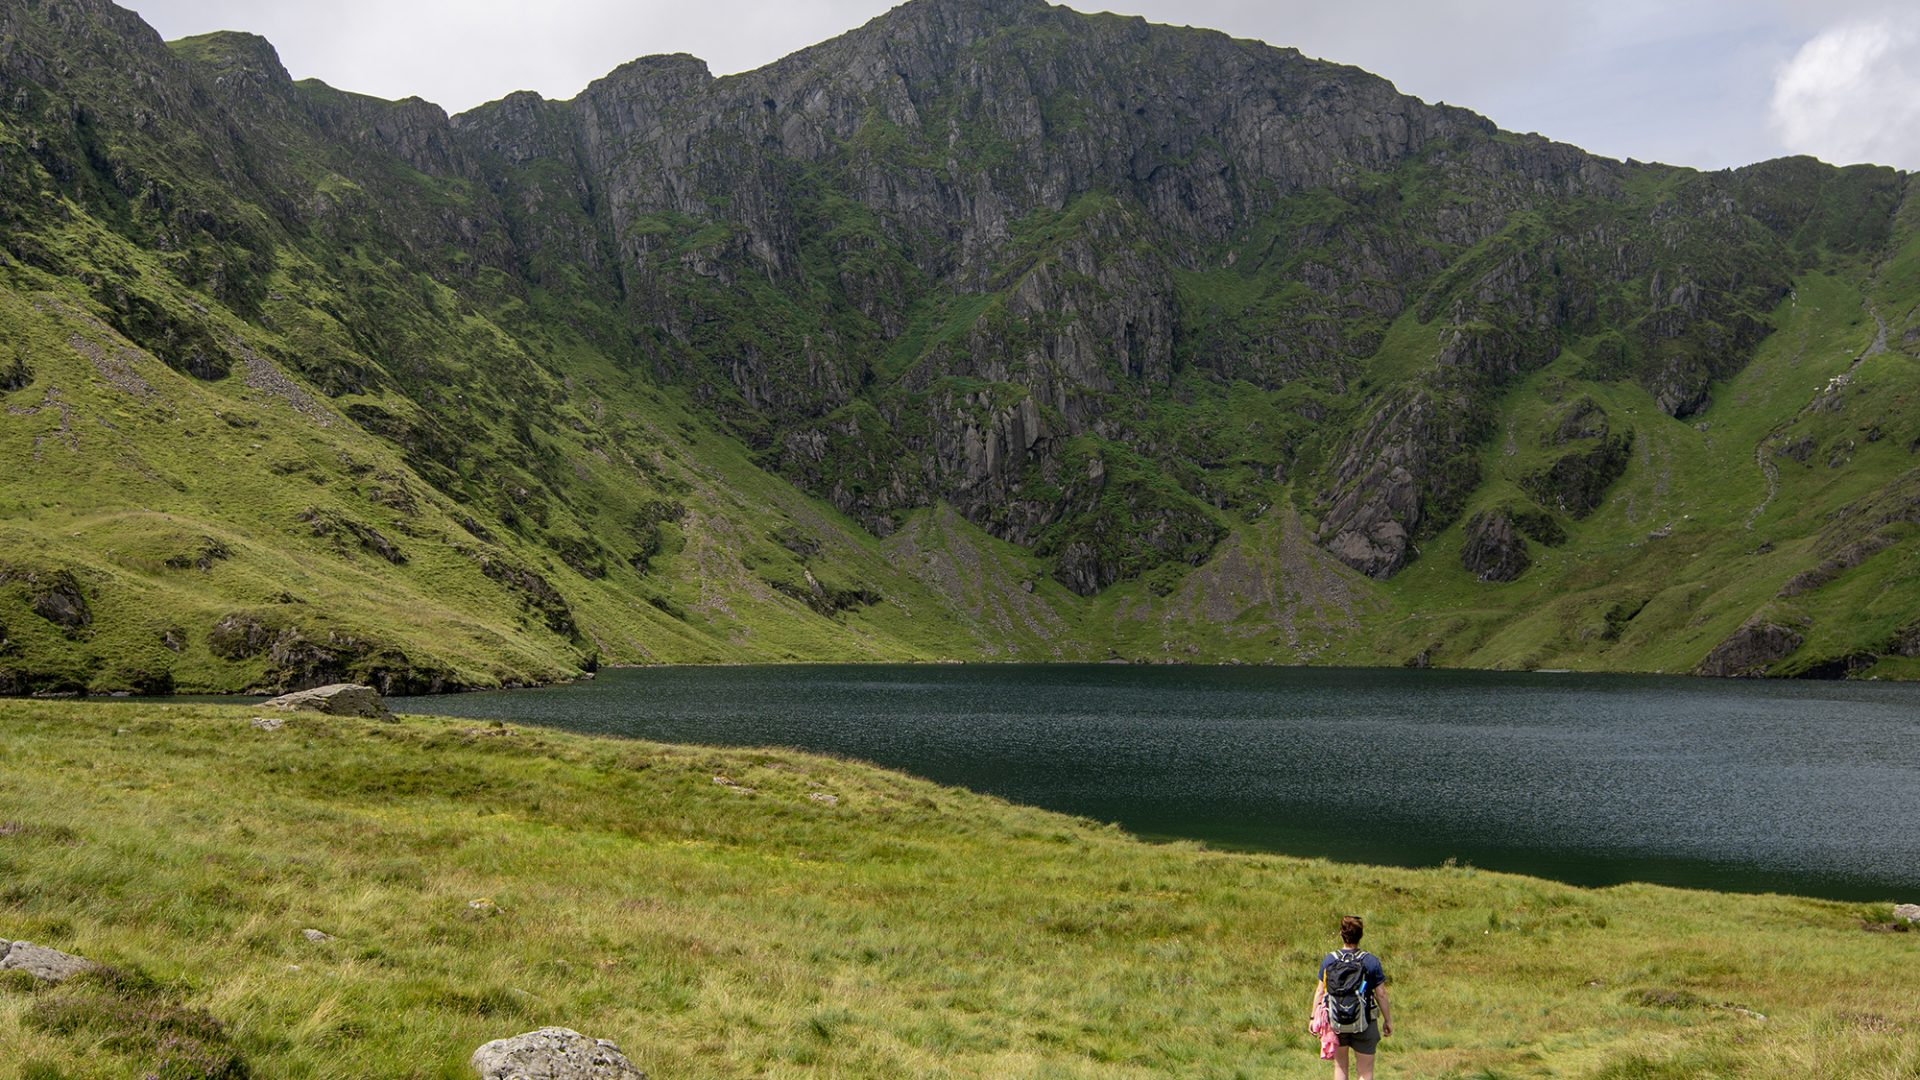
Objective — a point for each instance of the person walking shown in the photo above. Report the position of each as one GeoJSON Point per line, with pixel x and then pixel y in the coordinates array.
{"type": "Point", "coordinates": [1350, 1002]}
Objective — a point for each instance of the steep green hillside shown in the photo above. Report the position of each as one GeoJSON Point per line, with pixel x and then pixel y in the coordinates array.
{"type": "Point", "coordinates": [986, 330]}
{"type": "Point", "coordinates": [814, 917]}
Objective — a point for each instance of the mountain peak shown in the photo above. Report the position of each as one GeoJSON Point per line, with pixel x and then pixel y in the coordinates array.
{"type": "Point", "coordinates": [233, 55]}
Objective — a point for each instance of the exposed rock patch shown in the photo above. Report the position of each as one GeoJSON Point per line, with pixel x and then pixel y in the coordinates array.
{"type": "Point", "coordinates": [1578, 481]}
{"type": "Point", "coordinates": [346, 534]}
{"type": "Point", "coordinates": [553, 1053]}
{"type": "Point", "coordinates": [534, 591]}
{"type": "Point", "coordinates": [1539, 526]}
{"type": "Point", "coordinates": [1494, 550]}
{"type": "Point", "coordinates": [54, 596]}
{"type": "Point", "coordinates": [303, 658]}
{"type": "Point", "coordinates": [15, 376]}
{"type": "Point", "coordinates": [204, 555]}
{"type": "Point", "coordinates": [1751, 649]}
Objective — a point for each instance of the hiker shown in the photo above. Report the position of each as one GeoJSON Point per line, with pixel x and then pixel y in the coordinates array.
{"type": "Point", "coordinates": [1350, 1008]}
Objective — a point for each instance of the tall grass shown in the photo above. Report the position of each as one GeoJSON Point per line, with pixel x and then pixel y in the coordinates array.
{"type": "Point", "coordinates": [484, 880]}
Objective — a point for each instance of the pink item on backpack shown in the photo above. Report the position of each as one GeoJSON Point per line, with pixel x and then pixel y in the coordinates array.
{"type": "Point", "coordinates": [1322, 1027]}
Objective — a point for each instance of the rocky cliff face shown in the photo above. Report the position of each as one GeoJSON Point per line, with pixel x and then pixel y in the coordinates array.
{"type": "Point", "coordinates": [1038, 185]}
{"type": "Point", "coordinates": [1110, 290]}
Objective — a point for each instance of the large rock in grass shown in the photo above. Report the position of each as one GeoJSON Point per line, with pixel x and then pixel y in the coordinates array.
{"type": "Point", "coordinates": [1909, 912]}
{"type": "Point", "coordinates": [553, 1053]}
{"type": "Point", "coordinates": [47, 965]}
{"type": "Point", "coordinates": [340, 699]}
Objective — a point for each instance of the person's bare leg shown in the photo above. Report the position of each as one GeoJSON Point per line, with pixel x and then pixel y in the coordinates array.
{"type": "Point", "coordinates": [1340, 1063]}
{"type": "Point", "coordinates": [1363, 1064]}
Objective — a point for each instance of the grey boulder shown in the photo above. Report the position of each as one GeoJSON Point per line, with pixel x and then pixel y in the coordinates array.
{"type": "Point", "coordinates": [1909, 912]}
{"type": "Point", "coordinates": [340, 699]}
{"type": "Point", "coordinates": [47, 965]}
{"type": "Point", "coordinates": [553, 1053]}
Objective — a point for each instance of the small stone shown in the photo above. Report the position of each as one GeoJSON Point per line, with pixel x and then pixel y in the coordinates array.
{"type": "Point", "coordinates": [484, 906]}
{"type": "Point", "coordinates": [823, 797]}
{"type": "Point", "coordinates": [553, 1053]}
{"type": "Point", "coordinates": [269, 723]}
{"type": "Point", "coordinates": [316, 936]}
{"type": "Point", "coordinates": [48, 965]}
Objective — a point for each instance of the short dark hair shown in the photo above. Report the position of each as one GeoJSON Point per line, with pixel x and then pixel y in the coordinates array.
{"type": "Point", "coordinates": [1351, 928]}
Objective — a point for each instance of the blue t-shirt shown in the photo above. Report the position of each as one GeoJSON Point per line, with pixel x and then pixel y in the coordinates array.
{"type": "Point", "coordinates": [1369, 963]}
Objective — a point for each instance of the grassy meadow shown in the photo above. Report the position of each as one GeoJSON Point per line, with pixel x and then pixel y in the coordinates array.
{"type": "Point", "coordinates": [774, 914]}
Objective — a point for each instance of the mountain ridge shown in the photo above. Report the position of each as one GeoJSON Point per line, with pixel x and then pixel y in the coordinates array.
{"type": "Point", "coordinates": [1119, 295]}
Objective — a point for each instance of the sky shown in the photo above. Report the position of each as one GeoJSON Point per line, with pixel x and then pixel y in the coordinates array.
{"type": "Point", "coordinates": [1707, 83]}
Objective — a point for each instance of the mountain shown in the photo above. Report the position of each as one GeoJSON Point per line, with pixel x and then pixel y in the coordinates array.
{"type": "Point", "coordinates": [987, 330]}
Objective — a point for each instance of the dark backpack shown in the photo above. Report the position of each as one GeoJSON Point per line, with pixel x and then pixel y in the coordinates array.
{"type": "Point", "coordinates": [1347, 992]}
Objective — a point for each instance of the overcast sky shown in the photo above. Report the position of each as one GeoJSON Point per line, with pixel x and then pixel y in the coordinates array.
{"type": "Point", "coordinates": [1709, 83]}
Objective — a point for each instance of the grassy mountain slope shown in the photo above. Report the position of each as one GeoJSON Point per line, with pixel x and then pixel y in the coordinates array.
{"type": "Point", "coordinates": [485, 881]}
{"type": "Point", "coordinates": [1270, 364]}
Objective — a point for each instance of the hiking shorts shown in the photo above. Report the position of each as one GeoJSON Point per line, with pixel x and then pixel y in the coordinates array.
{"type": "Point", "coordinates": [1363, 1042]}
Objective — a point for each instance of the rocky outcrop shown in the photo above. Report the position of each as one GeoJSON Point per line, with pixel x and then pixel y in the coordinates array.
{"type": "Point", "coordinates": [54, 595]}
{"type": "Point", "coordinates": [1906, 642]}
{"type": "Point", "coordinates": [1752, 649]}
{"type": "Point", "coordinates": [553, 1053]}
{"type": "Point", "coordinates": [534, 591]}
{"type": "Point", "coordinates": [1577, 482]}
{"type": "Point", "coordinates": [17, 375]}
{"type": "Point", "coordinates": [347, 534]}
{"type": "Point", "coordinates": [1494, 550]}
{"type": "Point", "coordinates": [1401, 475]}
{"type": "Point", "coordinates": [299, 657]}
{"type": "Point", "coordinates": [340, 699]}
{"type": "Point", "coordinates": [1539, 526]}
{"type": "Point", "coordinates": [44, 964]}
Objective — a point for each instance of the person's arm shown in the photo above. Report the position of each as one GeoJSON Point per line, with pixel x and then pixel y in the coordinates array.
{"type": "Point", "coordinates": [1386, 1013]}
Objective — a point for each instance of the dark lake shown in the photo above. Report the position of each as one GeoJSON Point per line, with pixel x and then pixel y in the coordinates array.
{"type": "Point", "coordinates": [1803, 787]}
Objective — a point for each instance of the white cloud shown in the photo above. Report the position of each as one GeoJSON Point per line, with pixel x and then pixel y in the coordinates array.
{"type": "Point", "coordinates": [1852, 94]}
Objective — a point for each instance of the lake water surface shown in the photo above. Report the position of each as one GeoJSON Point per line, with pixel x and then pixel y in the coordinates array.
{"type": "Point", "coordinates": [1809, 788]}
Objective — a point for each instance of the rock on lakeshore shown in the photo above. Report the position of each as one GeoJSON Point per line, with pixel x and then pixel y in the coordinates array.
{"type": "Point", "coordinates": [553, 1053]}
{"type": "Point", "coordinates": [1751, 649]}
{"type": "Point", "coordinates": [1908, 912]}
{"type": "Point", "coordinates": [340, 699]}
{"type": "Point", "coordinates": [49, 965]}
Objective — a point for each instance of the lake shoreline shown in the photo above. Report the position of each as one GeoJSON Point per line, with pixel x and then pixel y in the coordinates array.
{"type": "Point", "coordinates": [1229, 755]}
{"type": "Point", "coordinates": [588, 676]}
{"type": "Point", "coordinates": [659, 895]}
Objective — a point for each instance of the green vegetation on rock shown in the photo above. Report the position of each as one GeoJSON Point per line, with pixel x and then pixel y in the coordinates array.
{"type": "Point", "coordinates": [987, 330]}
